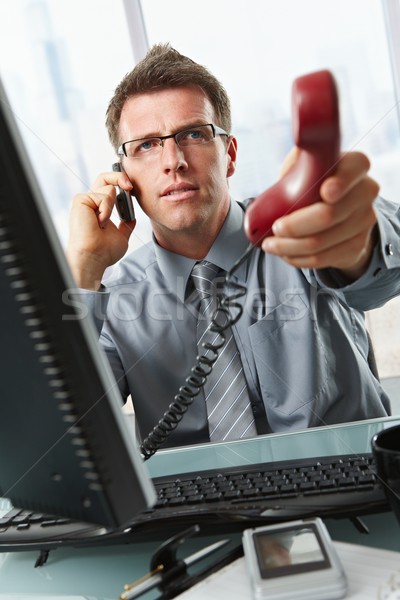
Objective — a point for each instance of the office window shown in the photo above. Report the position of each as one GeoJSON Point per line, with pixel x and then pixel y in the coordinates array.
{"type": "Point", "coordinates": [257, 50]}
{"type": "Point", "coordinates": [60, 63]}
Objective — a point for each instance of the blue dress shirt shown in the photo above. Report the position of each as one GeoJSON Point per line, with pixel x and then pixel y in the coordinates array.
{"type": "Point", "coordinates": [302, 336]}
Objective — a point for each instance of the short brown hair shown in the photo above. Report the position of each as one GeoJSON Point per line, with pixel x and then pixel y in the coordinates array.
{"type": "Point", "coordinates": [164, 67]}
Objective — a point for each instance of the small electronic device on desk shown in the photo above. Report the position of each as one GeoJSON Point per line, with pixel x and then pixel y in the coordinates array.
{"type": "Point", "coordinates": [293, 561]}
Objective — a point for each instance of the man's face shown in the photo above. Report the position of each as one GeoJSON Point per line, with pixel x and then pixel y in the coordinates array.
{"type": "Point", "coordinates": [180, 189]}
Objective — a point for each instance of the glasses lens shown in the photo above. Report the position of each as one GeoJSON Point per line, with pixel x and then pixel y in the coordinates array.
{"type": "Point", "coordinates": [195, 136]}
{"type": "Point", "coordinates": [144, 147]}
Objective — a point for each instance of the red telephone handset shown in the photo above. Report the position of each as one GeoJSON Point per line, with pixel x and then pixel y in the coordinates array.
{"type": "Point", "coordinates": [316, 131]}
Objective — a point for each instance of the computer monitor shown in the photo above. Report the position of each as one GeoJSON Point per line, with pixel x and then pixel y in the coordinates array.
{"type": "Point", "coordinates": [65, 447]}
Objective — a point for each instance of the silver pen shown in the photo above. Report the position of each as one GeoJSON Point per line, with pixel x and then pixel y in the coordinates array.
{"type": "Point", "coordinates": [154, 578]}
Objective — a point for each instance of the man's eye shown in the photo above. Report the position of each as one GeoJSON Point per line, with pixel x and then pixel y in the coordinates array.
{"type": "Point", "coordinates": [193, 135]}
{"type": "Point", "coordinates": [142, 147]}
{"type": "Point", "coordinates": [147, 145]}
{"type": "Point", "coordinates": [197, 134]}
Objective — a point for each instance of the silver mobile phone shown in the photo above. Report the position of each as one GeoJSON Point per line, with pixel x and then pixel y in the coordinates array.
{"type": "Point", "coordinates": [293, 561]}
{"type": "Point", "coordinates": [124, 200]}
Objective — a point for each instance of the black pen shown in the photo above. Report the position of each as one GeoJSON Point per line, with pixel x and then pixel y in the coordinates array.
{"type": "Point", "coordinates": [154, 578]}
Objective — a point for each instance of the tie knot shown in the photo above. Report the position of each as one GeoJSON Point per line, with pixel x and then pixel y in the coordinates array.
{"type": "Point", "coordinates": [203, 276]}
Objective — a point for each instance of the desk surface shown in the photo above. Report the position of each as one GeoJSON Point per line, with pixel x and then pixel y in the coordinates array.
{"type": "Point", "coordinates": [100, 573]}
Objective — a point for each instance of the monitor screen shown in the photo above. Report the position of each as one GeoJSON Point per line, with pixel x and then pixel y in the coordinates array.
{"type": "Point", "coordinates": [65, 448]}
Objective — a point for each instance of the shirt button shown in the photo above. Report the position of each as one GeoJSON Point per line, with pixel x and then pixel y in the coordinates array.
{"type": "Point", "coordinates": [389, 249]}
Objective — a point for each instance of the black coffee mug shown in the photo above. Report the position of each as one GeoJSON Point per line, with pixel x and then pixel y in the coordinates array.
{"type": "Point", "coordinates": [386, 451]}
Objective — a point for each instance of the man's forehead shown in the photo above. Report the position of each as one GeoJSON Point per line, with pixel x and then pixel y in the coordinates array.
{"type": "Point", "coordinates": [163, 111]}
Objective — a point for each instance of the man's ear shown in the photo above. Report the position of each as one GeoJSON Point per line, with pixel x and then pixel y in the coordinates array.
{"type": "Point", "coordinates": [231, 155]}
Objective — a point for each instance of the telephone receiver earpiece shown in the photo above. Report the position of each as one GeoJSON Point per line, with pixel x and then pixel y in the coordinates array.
{"type": "Point", "coordinates": [316, 132]}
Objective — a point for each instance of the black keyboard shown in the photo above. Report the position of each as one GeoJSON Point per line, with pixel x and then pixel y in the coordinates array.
{"type": "Point", "coordinates": [233, 499]}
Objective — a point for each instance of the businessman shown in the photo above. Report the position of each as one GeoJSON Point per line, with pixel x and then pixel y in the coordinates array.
{"type": "Point", "coordinates": [298, 356]}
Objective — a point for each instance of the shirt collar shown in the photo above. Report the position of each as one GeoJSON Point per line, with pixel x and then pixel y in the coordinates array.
{"type": "Point", "coordinates": [228, 247]}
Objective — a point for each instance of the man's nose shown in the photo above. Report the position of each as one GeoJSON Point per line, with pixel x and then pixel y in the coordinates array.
{"type": "Point", "coordinates": [172, 156]}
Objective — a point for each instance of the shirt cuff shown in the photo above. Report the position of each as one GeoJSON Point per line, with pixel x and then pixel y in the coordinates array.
{"type": "Point", "coordinates": [385, 256]}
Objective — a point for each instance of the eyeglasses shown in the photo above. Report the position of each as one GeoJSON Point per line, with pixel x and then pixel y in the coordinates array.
{"type": "Point", "coordinates": [195, 136]}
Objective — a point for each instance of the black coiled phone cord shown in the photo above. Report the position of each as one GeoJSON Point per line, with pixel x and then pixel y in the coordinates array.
{"type": "Point", "coordinates": [204, 364]}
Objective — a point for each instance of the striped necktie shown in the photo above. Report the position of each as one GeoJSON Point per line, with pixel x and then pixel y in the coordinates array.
{"type": "Point", "coordinates": [230, 415]}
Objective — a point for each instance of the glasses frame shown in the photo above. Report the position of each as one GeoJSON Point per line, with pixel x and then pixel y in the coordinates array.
{"type": "Point", "coordinates": [215, 129]}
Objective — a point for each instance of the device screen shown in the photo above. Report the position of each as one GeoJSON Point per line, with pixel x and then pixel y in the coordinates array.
{"type": "Point", "coordinates": [291, 550]}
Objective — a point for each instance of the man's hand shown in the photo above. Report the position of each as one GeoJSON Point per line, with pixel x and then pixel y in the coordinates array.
{"type": "Point", "coordinates": [337, 232]}
{"type": "Point", "coordinates": [95, 242]}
